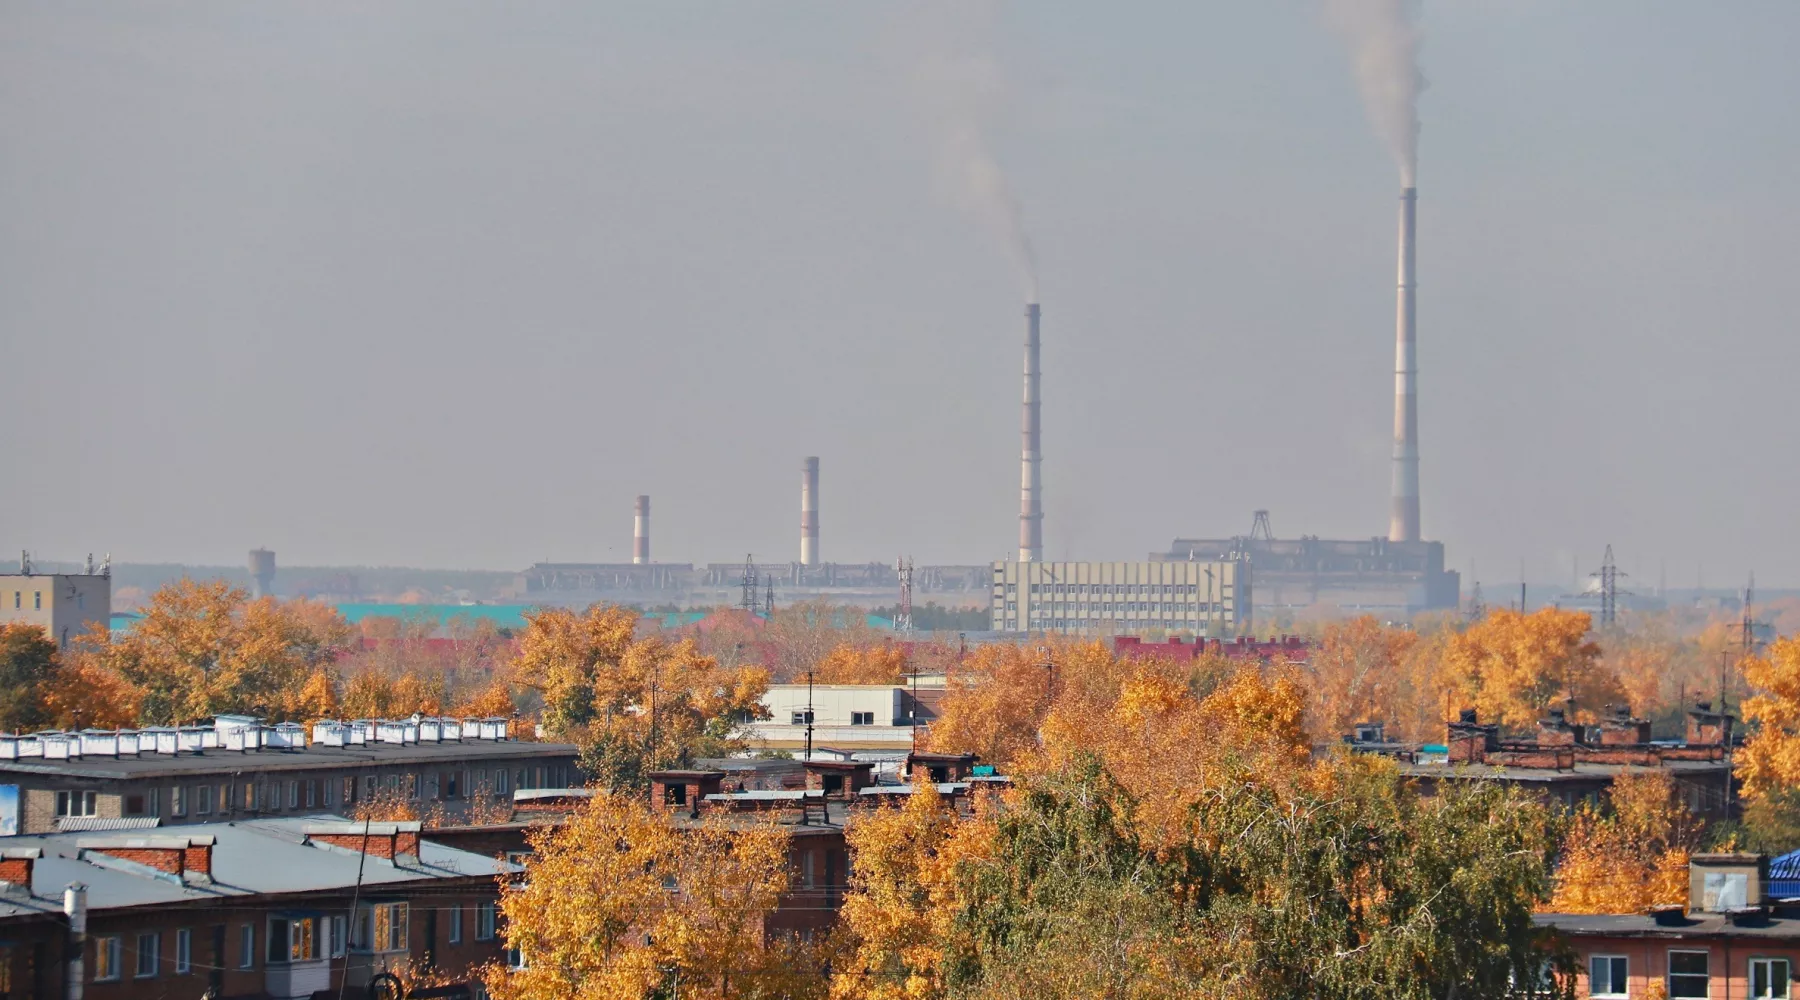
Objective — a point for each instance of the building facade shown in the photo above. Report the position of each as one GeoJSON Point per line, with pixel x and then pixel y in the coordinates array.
{"type": "Point", "coordinates": [237, 769]}
{"type": "Point", "coordinates": [1202, 598]}
{"type": "Point", "coordinates": [1365, 574]}
{"type": "Point", "coordinates": [64, 605]}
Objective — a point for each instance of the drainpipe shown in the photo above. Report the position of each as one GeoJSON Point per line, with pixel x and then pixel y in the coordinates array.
{"type": "Point", "coordinates": [75, 908]}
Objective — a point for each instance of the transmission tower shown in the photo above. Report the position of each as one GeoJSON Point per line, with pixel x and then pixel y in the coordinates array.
{"type": "Point", "coordinates": [1609, 577]}
{"type": "Point", "coordinates": [1477, 610]}
{"type": "Point", "coordinates": [769, 596]}
{"type": "Point", "coordinates": [903, 623]}
{"type": "Point", "coordinates": [1747, 628]}
{"type": "Point", "coordinates": [1259, 528]}
{"type": "Point", "coordinates": [748, 602]}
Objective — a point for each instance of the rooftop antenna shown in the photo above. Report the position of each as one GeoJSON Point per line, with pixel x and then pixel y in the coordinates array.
{"type": "Point", "coordinates": [903, 623]}
{"type": "Point", "coordinates": [748, 601]}
{"type": "Point", "coordinates": [24, 563]}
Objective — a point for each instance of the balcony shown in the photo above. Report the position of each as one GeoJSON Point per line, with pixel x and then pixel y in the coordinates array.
{"type": "Point", "coordinates": [298, 980]}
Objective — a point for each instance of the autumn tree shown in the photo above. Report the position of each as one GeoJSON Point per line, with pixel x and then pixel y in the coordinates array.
{"type": "Point", "coordinates": [1510, 667]}
{"type": "Point", "coordinates": [852, 664]}
{"type": "Point", "coordinates": [1629, 854]}
{"type": "Point", "coordinates": [1358, 673]}
{"type": "Point", "coordinates": [621, 903]}
{"type": "Point", "coordinates": [28, 669]}
{"type": "Point", "coordinates": [1768, 765]}
{"type": "Point", "coordinates": [88, 692]}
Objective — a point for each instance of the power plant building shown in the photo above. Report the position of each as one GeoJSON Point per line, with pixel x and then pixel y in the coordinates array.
{"type": "Point", "coordinates": [1210, 598]}
{"type": "Point", "coordinates": [1372, 574]}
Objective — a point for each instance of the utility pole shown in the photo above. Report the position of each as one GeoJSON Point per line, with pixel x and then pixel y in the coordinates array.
{"type": "Point", "coordinates": [809, 712]}
{"type": "Point", "coordinates": [769, 597]}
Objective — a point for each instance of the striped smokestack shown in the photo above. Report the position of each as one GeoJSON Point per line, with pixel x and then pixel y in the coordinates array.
{"type": "Point", "coordinates": [809, 511]}
{"type": "Point", "coordinates": [1404, 525]}
{"type": "Point", "coordinates": [1031, 483]}
{"type": "Point", "coordinates": [640, 533]}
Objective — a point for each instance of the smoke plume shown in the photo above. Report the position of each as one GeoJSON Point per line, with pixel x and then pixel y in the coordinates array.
{"type": "Point", "coordinates": [964, 93]}
{"type": "Point", "coordinates": [1383, 37]}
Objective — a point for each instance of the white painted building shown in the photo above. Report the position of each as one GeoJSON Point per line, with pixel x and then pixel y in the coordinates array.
{"type": "Point", "coordinates": [845, 716]}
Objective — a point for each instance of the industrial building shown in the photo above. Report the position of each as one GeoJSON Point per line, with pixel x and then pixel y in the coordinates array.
{"type": "Point", "coordinates": [1202, 597]}
{"type": "Point", "coordinates": [64, 605]}
{"type": "Point", "coordinates": [1365, 575]}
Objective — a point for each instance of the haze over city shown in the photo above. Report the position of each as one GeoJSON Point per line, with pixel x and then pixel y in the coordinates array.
{"type": "Point", "coordinates": [450, 284]}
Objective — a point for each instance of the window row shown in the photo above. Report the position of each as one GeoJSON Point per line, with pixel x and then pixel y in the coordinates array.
{"type": "Point", "coordinates": [1689, 975]}
{"type": "Point", "coordinates": [287, 938]}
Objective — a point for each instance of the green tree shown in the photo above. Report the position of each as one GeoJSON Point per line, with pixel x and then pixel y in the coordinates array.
{"type": "Point", "coordinates": [28, 665]}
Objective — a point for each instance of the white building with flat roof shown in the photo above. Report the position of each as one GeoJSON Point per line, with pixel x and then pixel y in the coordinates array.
{"type": "Point", "coordinates": [1203, 598]}
{"type": "Point", "coordinates": [63, 604]}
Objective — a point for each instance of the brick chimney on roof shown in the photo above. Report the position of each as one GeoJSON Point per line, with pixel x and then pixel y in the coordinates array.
{"type": "Point", "coordinates": [183, 857]}
{"type": "Point", "coordinates": [16, 864]}
{"type": "Point", "coordinates": [1618, 728]}
{"type": "Point", "coordinates": [388, 841]}
{"type": "Point", "coordinates": [1470, 741]}
{"type": "Point", "coordinates": [1556, 730]}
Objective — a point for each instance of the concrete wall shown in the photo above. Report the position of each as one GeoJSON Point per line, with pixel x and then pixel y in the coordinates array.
{"type": "Point", "coordinates": [64, 606]}
{"type": "Point", "coordinates": [834, 703]}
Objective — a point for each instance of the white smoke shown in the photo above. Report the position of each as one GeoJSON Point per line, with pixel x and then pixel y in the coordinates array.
{"type": "Point", "coordinates": [1383, 36]}
{"type": "Point", "coordinates": [964, 93]}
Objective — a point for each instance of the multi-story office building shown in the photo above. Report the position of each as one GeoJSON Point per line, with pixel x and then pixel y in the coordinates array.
{"type": "Point", "coordinates": [1210, 598]}
{"type": "Point", "coordinates": [64, 605]}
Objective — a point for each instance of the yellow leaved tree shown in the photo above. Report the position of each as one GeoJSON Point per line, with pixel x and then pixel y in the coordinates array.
{"type": "Point", "coordinates": [1628, 857]}
{"type": "Point", "coordinates": [621, 903]}
{"type": "Point", "coordinates": [1510, 667]}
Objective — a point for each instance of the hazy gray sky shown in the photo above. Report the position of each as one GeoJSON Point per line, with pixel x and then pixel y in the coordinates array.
{"type": "Point", "coordinates": [448, 284]}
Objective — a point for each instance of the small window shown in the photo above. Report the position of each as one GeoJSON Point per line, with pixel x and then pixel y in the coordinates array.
{"type": "Point", "coordinates": [134, 804]}
{"type": "Point", "coordinates": [455, 919]}
{"type": "Point", "coordinates": [292, 939]}
{"type": "Point", "coordinates": [76, 803]}
{"type": "Point", "coordinates": [1769, 978]}
{"type": "Point", "coordinates": [862, 718]}
{"type": "Point", "coordinates": [515, 959]}
{"type": "Point", "coordinates": [1607, 976]}
{"type": "Point", "coordinates": [340, 939]}
{"type": "Point", "coordinates": [293, 795]}
{"type": "Point", "coordinates": [147, 954]}
{"type": "Point", "coordinates": [203, 800]}
{"type": "Point", "coordinates": [247, 946]}
{"type": "Point", "coordinates": [312, 793]}
{"type": "Point", "coordinates": [380, 927]}
{"type": "Point", "coordinates": [801, 718]}
{"type": "Point", "coordinates": [107, 951]}
{"type": "Point", "coordinates": [431, 786]}
{"type": "Point", "coordinates": [184, 951]}
{"type": "Point", "coordinates": [484, 922]}
{"type": "Point", "coordinates": [1688, 975]}
{"type": "Point", "coordinates": [37, 602]}
{"type": "Point", "coordinates": [178, 801]}
{"type": "Point", "coordinates": [452, 787]}
{"type": "Point", "coordinates": [502, 782]}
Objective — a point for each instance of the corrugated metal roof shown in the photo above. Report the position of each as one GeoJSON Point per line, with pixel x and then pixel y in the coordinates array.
{"type": "Point", "coordinates": [249, 858]}
{"type": "Point", "coordinates": [89, 824]}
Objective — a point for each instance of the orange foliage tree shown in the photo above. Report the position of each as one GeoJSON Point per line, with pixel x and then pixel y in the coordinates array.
{"type": "Point", "coordinates": [851, 664]}
{"type": "Point", "coordinates": [1630, 856]}
{"type": "Point", "coordinates": [1511, 666]}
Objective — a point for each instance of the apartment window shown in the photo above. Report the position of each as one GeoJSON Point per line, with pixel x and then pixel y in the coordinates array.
{"type": "Point", "coordinates": [37, 600]}
{"type": "Point", "coordinates": [1769, 978]}
{"type": "Point", "coordinates": [247, 946]}
{"type": "Point", "coordinates": [455, 932]}
{"type": "Point", "coordinates": [184, 951]}
{"type": "Point", "coordinates": [502, 782]}
{"type": "Point", "coordinates": [380, 927]}
{"type": "Point", "coordinates": [412, 786]}
{"type": "Point", "coordinates": [293, 939]}
{"type": "Point", "coordinates": [134, 804]}
{"type": "Point", "coordinates": [339, 942]}
{"type": "Point", "coordinates": [107, 951]}
{"type": "Point", "coordinates": [862, 718]}
{"type": "Point", "coordinates": [801, 718]}
{"type": "Point", "coordinates": [203, 800]}
{"type": "Point", "coordinates": [224, 798]}
{"type": "Point", "coordinates": [1607, 976]}
{"type": "Point", "coordinates": [148, 946]}
{"type": "Point", "coordinates": [350, 789]}
{"type": "Point", "coordinates": [312, 793]}
{"type": "Point", "coordinates": [75, 803]}
{"type": "Point", "coordinates": [484, 922]}
{"type": "Point", "coordinates": [293, 795]}
{"type": "Point", "coordinates": [431, 786]}
{"type": "Point", "coordinates": [249, 796]}
{"type": "Point", "coordinates": [178, 801]}
{"type": "Point", "coordinates": [1688, 975]}
{"type": "Point", "coordinates": [452, 787]}
{"type": "Point", "coordinates": [537, 774]}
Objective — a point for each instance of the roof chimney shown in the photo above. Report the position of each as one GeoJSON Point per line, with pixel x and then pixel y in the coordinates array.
{"type": "Point", "coordinates": [16, 864]}
{"type": "Point", "coordinates": [388, 841]}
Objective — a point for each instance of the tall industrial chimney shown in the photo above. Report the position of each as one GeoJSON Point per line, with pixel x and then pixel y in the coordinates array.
{"type": "Point", "coordinates": [1404, 525]}
{"type": "Point", "coordinates": [262, 573]}
{"type": "Point", "coordinates": [809, 511]}
{"type": "Point", "coordinates": [640, 533]}
{"type": "Point", "coordinates": [1031, 483]}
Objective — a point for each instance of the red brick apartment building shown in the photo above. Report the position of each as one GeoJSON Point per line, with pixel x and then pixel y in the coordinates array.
{"type": "Point", "coordinates": [1730, 942]}
{"type": "Point", "coordinates": [280, 907]}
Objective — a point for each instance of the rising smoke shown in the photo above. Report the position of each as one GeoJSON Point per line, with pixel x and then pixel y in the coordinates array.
{"type": "Point", "coordinates": [1383, 36]}
{"type": "Point", "coordinates": [964, 92]}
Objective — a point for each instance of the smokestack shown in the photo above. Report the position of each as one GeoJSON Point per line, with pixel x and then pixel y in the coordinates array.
{"type": "Point", "coordinates": [1404, 525]}
{"type": "Point", "coordinates": [262, 573]}
{"type": "Point", "coordinates": [640, 533]}
{"type": "Point", "coordinates": [809, 511]}
{"type": "Point", "coordinates": [1031, 483]}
